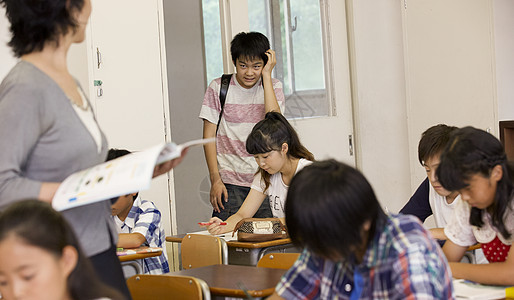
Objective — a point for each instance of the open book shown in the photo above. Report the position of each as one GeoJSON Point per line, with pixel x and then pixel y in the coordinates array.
{"type": "Point", "coordinates": [123, 175]}
{"type": "Point", "coordinates": [465, 289]}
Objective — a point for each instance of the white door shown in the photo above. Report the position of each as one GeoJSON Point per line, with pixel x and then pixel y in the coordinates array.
{"type": "Point", "coordinates": [125, 55]}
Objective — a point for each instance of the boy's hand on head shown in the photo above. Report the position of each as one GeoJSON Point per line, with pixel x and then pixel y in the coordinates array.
{"type": "Point", "coordinates": [272, 61]}
{"type": "Point", "coordinates": [218, 190]}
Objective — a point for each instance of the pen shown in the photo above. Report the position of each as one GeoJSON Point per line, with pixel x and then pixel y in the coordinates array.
{"type": "Point", "coordinates": [209, 223]}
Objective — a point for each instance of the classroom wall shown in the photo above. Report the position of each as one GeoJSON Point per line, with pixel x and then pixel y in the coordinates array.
{"type": "Point", "coordinates": [378, 85]}
{"type": "Point", "coordinates": [504, 47]}
{"type": "Point", "coordinates": [186, 88]}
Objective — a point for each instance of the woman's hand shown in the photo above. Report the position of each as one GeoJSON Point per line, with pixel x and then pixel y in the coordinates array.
{"type": "Point", "coordinates": [165, 167]}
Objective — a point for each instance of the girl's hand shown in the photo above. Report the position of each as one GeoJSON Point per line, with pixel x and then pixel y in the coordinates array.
{"type": "Point", "coordinates": [216, 227]}
{"type": "Point", "coordinates": [272, 61]}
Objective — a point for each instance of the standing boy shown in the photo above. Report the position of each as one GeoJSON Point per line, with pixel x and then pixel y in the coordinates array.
{"type": "Point", "coordinates": [251, 94]}
{"type": "Point", "coordinates": [138, 223]}
{"type": "Point", "coordinates": [352, 249]}
{"type": "Point", "coordinates": [430, 197]}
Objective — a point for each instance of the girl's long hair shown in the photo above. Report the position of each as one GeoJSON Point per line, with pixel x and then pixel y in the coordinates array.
{"type": "Point", "coordinates": [37, 224]}
{"type": "Point", "coordinates": [269, 135]}
{"type": "Point", "coordinates": [472, 151]}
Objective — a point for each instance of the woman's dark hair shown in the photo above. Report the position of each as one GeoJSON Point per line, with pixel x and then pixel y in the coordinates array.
{"type": "Point", "coordinates": [327, 205]}
{"type": "Point", "coordinates": [433, 141]}
{"type": "Point", "coordinates": [249, 45]}
{"type": "Point", "coordinates": [472, 151]}
{"type": "Point", "coordinates": [38, 224]}
{"type": "Point", "coordinates": [269, 135]}
{"type": "Point", "coordinates": [35, 23]}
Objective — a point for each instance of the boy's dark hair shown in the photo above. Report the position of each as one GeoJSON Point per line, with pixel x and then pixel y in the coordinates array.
{"type": "Point", "coordinates": [115, 153]}
{"type": "Point", "coordinates": [472, 151]}
{"type": "Point", "coordinates": [269, 135]}
{"type": "Point", "coordinates": [327, 204]}
{"type": "Point", "coordinates": [35, 23]}
{"type": "Point", "coordinates": [249, 45]}
{"type": "Point", "coordinates": [37, 224]}
{"type": "Point", "coordinates": [433, 141]}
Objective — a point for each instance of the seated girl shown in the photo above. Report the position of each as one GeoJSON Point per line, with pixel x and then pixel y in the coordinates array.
{"type": "Point", "coordinates": [41, 258]}
{"type": "Point", "coordinates": [277, 149]}
{"type": "Point", "coordinates": [474, 164]}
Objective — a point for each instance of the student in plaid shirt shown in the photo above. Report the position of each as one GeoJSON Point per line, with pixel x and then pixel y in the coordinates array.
{"type": "Point", "coordinates": [138, 223]}
{"type": "Point", "coordinates": [352, 249]}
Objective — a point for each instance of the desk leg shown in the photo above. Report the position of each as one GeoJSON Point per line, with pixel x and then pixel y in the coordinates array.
{"type": "Point", "coordinates": [134, 264]}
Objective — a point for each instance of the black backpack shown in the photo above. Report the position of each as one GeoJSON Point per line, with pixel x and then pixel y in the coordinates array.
{"type": "Point", "coordinates": [225, 82]}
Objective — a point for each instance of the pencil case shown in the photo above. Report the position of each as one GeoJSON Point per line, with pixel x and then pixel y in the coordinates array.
{"type": "Point", "coordinates": [259, 230]}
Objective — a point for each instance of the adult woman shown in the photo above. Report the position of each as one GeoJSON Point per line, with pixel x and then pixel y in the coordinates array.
{"type": "Point", "coordinates": [49, 125]}
{"type": "Point", "coordinates": [41, 258]}
{"type": "Point", "coordinates": [474, 164]}
{"type": "Point", "coordinates": [277, 149]}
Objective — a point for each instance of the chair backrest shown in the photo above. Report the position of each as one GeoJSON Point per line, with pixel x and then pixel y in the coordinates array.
{"type": "Point", "coordinates": [198, 250]}
{"type": "Point", "coordinates": [278, 260]}
{"type": "Point", "coordinates": [162, 287]}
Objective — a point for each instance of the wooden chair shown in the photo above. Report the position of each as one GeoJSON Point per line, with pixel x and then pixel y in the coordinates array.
{"type": "Point", "coordinates": [278, 260]}
{"type": "Point", "coordinates": [199, 250]}
{"type": "Point", "coordinates": [162, 287]}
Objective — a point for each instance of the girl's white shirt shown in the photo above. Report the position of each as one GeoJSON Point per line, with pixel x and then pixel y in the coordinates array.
{"type": "Point", "coordinates": [462, 233]}
{"type": "Point", "coordinates": [277, 191]}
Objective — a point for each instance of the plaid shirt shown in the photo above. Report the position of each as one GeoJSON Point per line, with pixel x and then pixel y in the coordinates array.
{"type": "Point", "coordinates": [403, 262]}
{"type": "Point", "coordinates": [145, 218]}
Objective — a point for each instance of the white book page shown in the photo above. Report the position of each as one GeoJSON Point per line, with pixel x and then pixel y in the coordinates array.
{"type": "Point", "coordinates": [172, 150]}
{"type": "Point", "coordinates": [469, 290]}
{"type": "Point", "coordinates": [121, 176]}
{"type": "Point", "coordinates": [124, 175]}
{"type": "Point", "coordinates": [226, 236]}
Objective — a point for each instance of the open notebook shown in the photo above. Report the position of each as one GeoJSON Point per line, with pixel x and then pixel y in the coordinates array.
{"type": "Point", "coordinates": [226, 236]}
{"type": "Point", "coordinates": [465, 289]}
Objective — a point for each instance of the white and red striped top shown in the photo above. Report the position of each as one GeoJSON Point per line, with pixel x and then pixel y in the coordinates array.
{"type": "Point", "coordinates": [243, 109]}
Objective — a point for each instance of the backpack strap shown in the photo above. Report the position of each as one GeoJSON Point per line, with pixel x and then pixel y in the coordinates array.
{"type": "Point", "coordinates": [225, 82]}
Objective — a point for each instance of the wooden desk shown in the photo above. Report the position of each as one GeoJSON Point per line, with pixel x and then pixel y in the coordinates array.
{"type": "Point", "coordinates": [223, 280]}
{"type": "Point", "coordinates": [248, 253]}
{"type": "Point", "coordinates": [138, 253]}
{"type": "Point", "coordinates": [129, 257]}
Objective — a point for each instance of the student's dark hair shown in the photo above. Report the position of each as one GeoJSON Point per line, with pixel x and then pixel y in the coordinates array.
{"type": "Point", "coordinates": [269, 135]}
{"type": "Point", "coordinates": [36, 23]}
{"type": "Point", "coordinates": [433, 141]}
{"type": "Point", "coordinates": [37, 224]}
{"type": "Point", "coordinates": [114, 153]}
{"type": "Point", "coordinates": [327, 204]}
{"type": "Point", "coordinates": [472, 151]}
{"type": "Point", "coordinates": [249, 45]}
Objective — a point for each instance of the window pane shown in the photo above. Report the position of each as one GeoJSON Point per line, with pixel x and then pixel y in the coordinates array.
{"type": "Point", "coordinates": [212, 39]}
{"type": "Point", "coordinates": [307, 45]}
{"type": "Point", "coordinates": [258, 17]}
{"type": "Point", "coordinates": [295, 32]}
